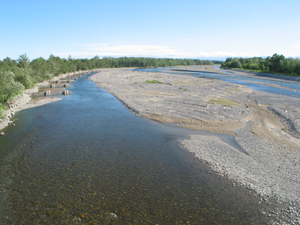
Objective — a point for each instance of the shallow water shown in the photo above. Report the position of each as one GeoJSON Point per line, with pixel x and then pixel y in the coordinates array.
{"type": "Point", "coordinates": [86, 159]}
{"type": "Point", "coordinates": [244, 80]}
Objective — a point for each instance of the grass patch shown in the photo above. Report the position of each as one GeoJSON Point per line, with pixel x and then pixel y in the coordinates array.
{"type": "Point", "coordinates": [223, 101]}
{"type": "Point", "coordinates": [183, 89]}
{"type": "Point", "coordinates": [154, 82]}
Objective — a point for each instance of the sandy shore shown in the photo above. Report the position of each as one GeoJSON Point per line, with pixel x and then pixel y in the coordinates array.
{"type": "Point", "coordinates": [266, 126]}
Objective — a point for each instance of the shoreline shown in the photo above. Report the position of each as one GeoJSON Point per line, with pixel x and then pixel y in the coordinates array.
{"type": "Point", "coordinates": [25, 101]}
{"type": "Point", "coordinates": [287, 78]}
{"type": "Point", "coordinates": [265, 126]}
{"type": "Point", "coordinates": [245, 73]}
{"type": "Point", "coordinates": [257, 120]}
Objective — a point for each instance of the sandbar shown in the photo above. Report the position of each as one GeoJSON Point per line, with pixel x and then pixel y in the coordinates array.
{"type": "Point", "coordinates": [266, 126]}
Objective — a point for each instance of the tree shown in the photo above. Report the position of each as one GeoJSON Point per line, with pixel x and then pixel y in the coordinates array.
{"type": "Point", "coordinates": [8, 87]}
{"type": "Point", "coordinates": [277, 63]}
{"type": "Point", "coordinates": [236, 64]}
{"type": "Point", "coordinates": [23, 61]}
{"type": "Point", "coordinates": [24, 76]}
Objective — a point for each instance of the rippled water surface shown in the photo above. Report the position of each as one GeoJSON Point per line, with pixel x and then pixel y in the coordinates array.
{"type": "Point", "coordinates": [86, 159]}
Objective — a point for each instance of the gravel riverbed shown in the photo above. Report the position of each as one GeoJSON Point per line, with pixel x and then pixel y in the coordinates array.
{"type": "Point", "coordinates": [266, 126]}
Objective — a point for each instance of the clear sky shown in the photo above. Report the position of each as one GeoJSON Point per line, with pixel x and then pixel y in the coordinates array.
{"type": "Point", "coordinates": [156, 28]}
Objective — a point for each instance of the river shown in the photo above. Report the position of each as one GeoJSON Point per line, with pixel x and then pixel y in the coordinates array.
{"type": "Point", "coordinates": [281, 85]}
{"type": "Point", "coordinates": [87, 159]}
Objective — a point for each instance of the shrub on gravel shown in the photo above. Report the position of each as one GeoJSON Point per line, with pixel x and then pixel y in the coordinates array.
{"type": "Point", "coordinates": [154, 82]}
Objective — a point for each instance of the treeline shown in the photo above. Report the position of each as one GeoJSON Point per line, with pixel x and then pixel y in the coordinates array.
{"type": "Point", "coordinates": [20, 74]}
{"type": "Point", "coordinates": [274, 64]}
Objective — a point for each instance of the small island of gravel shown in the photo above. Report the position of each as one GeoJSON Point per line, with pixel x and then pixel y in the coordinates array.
{"type": "Point", "coordinates": [266, 126]}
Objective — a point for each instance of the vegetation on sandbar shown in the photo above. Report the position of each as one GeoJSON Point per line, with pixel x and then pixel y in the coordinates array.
{"type": "Point", "coordinates": [154, 82]}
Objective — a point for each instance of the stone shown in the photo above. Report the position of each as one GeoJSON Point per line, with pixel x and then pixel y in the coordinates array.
{"type": "Point", "coordinates": [47, 93]}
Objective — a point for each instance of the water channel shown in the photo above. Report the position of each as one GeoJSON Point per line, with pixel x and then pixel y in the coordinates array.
{"type": "Point", "coordinates": [256, 82]}
{"type": "Point", "coordinates": [86, 159]}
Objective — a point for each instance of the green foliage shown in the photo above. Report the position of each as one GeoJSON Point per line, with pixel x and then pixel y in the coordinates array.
{"type": "Point", "coordinates": [9, 87]}
{"type": "Point", "coordinates": [236, 64]}
{"type": "Point", "coordinates": [275, 64]}
{"type": "Point", "coordinates": [16, 75]}
{"type": "Point", "coordinates": [23, 61]}
{"type": "Point", "coordinates": [154, 82]}
{"type": "Point", "coordinates": [2, 109]}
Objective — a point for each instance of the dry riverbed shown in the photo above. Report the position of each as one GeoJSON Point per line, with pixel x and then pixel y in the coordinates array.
{"type": "Point", "coordinates": [266, 126]}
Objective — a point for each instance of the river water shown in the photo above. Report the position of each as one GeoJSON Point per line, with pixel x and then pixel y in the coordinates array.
{"type": "Point", "coordinates": [86, 159]}
{"type": "Point", "coordinates": [285, 85]}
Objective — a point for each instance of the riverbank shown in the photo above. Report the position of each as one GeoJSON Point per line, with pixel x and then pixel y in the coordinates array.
{"type": "Point", "coordinates": [263, 75]}
{"type": "Point", "coordinates": [25, 100]}
{"type": "Point", "coordinates": [206, 70]}
{"type": "Point", "coordinates": [266, 126]}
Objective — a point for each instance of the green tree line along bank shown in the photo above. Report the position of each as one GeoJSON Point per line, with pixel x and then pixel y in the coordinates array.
{"type": "Point", "coordinates": [18, 75]}
{"type": "Point", "coordinates": [273, 64]}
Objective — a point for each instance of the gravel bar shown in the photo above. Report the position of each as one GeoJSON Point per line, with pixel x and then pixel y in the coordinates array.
{"type": "Point", "coordinates": [266, 126]}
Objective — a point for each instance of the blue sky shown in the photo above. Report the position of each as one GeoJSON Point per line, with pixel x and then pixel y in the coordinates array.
{"type": "Point", "coordinates": [159, 28]}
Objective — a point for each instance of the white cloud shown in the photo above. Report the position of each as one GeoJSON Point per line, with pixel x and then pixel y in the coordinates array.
{"type": "Point", "coordinates": [201, 40]}
{"type": "Point", "coordinates": [223, 54]}
{"type": "Point", "coordinates": [91, 50]}
{"type": "Point", "coordinates": [297, 45]}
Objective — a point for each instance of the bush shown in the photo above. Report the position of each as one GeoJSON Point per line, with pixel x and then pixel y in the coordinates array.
{"type": "Point", "coordinates": [236, 64]}
{"type": "Point", "coordinates": [154, 81]}
{"type": "Point", "coordinates": [9, 87]}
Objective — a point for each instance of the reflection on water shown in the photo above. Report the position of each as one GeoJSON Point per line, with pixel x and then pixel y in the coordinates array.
{"type": "Point", "coordinates": [86, 159]}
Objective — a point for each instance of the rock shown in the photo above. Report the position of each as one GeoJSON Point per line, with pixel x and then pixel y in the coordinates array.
{"type": "Point", "coordinates": [47, 93]}
{"type": "Point", "coordinates": [113, 215]}
{"type": "Point", "coordinates": [65, 92]}
{"type": "Point", "coordinates": [2, 134]}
